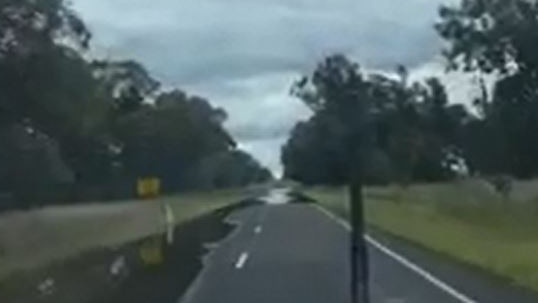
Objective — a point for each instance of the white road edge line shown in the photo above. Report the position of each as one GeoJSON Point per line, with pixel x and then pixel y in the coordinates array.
{"type": "Point", "coordinates": [258, 229]}
{"type": "Point", "coordinates": [241, 260]}
{"type": "Point", "coordinates": [405, 262]}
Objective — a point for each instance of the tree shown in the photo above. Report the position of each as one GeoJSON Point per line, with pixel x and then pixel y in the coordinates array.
{"type": "Point", "coordinates": [40, 39]}
{"type": "Point", "coordinates": [339, 94]}
{"type": "Point", "coordinates": [170, 138]}
{"type": "Point", "coordinates": [371, 128]}
{"type": "Point", "coordinates": [230, 169]}
{"type": "Point", "coordinates": [409, 130]}
{"type": "Point", "coordinates": [496, 36]}
{"type": "Point", "coordinates": [74, 129]}
{"type": "Point", "coordinates": [491, 35]}
{"type": "Point", "coordinates": [127, 82]}
{"type": "Point", "coordinates": [314, 154]}
{"type": "Point", "coordinates": [31, 33]}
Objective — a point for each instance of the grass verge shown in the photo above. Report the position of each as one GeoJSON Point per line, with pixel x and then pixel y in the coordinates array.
{"type": "Point", "coordinates": [35, 238]}
{"type": "Point", "coordinates": [462, 220]}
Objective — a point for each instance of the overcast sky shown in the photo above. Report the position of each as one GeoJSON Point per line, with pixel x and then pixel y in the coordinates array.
{"type": "Point", "coordinates": [244, 54]}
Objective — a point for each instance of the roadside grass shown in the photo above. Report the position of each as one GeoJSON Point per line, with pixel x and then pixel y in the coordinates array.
{"type": "Point", "coordinates": [465, 220]}
{"type": "Point", "coordinates": [30, 239]}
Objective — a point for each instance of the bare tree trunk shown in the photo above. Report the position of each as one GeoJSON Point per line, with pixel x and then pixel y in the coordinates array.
{"type": "Point", "coordinates": [359, 253]}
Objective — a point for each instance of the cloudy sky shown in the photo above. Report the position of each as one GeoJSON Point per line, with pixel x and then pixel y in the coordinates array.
{"type": "Point", "coordinates": [244, 54]}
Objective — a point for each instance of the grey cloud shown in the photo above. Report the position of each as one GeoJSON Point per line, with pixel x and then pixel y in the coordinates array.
{"type": "Point", "coordinates": [260, 107]}
{"type": "Point", "coordinates": [193, 41]}
{"type": "Point", "coordinates": [244, 54]}
{"type": "Point", "coordinates": [267, 152]}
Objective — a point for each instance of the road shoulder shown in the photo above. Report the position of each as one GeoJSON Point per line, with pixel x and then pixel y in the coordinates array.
{"type": "Point", "coordinates": [474, 282]}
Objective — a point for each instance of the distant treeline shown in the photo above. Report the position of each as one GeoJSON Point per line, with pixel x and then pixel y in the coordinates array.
{"type": "Point", "coordinates": [78, 129]}
{"type": "Point", "coordinates": [400, 131]}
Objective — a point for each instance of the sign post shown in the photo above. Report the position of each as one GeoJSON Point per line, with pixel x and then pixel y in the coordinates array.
{"type": "Point", "coordinates": [151, 251]}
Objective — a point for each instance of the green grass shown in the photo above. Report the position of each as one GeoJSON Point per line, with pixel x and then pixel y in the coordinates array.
{"type": "Point", "coordinates": [34, 238]}
{"type": "Point", "coordinates": [464, 220]}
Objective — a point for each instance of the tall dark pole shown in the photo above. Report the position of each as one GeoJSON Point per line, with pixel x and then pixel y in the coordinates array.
{"type": "Point", "coordinates": [359, 254]}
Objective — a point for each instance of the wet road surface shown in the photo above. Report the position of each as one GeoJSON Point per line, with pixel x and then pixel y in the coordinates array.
{"type": "Point", "coordinates": [291, 253]}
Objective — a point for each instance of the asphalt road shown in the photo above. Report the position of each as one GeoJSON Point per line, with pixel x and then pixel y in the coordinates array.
{"type": "Point", "coordinates": [295, 253]}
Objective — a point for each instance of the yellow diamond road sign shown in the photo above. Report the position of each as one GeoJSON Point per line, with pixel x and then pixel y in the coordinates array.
{"type": "Point", "coordinates": [149, 187]}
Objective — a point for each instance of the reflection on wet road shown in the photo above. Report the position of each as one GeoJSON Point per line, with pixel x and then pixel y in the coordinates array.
{"type": "Point", "coordinates": [277, 196]}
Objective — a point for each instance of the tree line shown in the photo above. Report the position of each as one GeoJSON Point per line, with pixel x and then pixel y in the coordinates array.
{"type": "Point", "coordinates": [408, 132]}
{"type": "Point", "coordinates": [74, 128]}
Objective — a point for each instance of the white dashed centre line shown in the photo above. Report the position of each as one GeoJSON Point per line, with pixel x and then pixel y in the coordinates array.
{"type": "Point", "coordinates": [241, 261]}
{"type": "Point", "coordinates": [258, 229]}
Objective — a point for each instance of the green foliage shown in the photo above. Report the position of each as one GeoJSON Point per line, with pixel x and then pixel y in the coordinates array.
{"type": "Point", "coordinates": [74, 129]}
{"type": "Point", "coordinates": [127, 82]}
{"type": "Point", "coordinates": [501, 37]}
{"type": "Point", "coordinates": [172, 137]}
{"type": "Point", "coordinates": [490, 35]}
{"type": "Point", "coordinates": [230, 169]}
{"type": "Point", "coordinates": [402, 132]}
{"type": "Point", "coordinates": [412, 126]}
